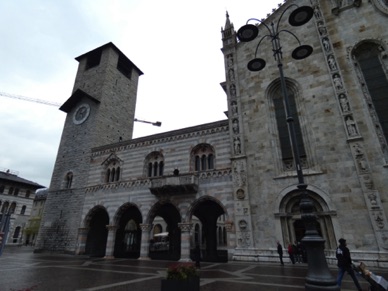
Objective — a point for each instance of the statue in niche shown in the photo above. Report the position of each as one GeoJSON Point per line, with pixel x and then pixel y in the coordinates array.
{"type": "Point", "coordinates": [372, 198]}
{"type": "Point", "coordinates": [351, 126]}
{"type": "Point", "coordinates": [235, 126]}
{"type": "Point", "coordinates": [362, 164]}
{"type": "Point", "coordinates": [326, 44]}
{"type": "Point", "coordinates": [237, 146]}
{"type": "Point", "coordinates": [357, 149]}
{"type": "Point", "coordinates": [321, 28]}
{"type": "Point", "coordinates": [317, 12]}
{"type": "Point", "coordinates": [379, 219]}
{"type": "Point", "coordinates": [332, 63]}
{"type": "Point", "coordinates": [344, 103]}
{"type": "Point", "coordinates": [234, 107]}
{"type": "Point", "coordinates": [337, 82]}
{"type": "Point", "coordinates": [232, 89]}
{"type": "Point", "coordinates": [231, 75]}
{"type": "Point", "coordinates": [230, 61]}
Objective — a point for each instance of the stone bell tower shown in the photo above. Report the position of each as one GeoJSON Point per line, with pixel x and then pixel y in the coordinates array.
{"type": "Point", "coordinates": [100, 111]}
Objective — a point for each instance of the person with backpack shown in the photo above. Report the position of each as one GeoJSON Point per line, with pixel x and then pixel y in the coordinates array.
{"type": "Point", "coordinates": [344, 263]}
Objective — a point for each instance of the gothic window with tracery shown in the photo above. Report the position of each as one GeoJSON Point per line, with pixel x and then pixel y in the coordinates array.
{"type": "Point", "coordinates": [154, 164]}
{"type": "Point", "coordinates": [112, 169]}
{"type": "Point", "coordinates": [282, 128]}
{"type": "Point", "coordinates": [372, 68]}
{"type": "Point", "coordinates": [202, 157]}
{"type": "Point", "coordinates": [112, 173]}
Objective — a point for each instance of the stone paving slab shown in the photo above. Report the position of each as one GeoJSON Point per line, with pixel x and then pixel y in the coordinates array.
{"type": "Point", "coordinates": [20, 268]}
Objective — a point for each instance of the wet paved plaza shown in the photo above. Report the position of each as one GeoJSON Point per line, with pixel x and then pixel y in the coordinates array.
{"type": "Point", "coordinates": [21, 269]}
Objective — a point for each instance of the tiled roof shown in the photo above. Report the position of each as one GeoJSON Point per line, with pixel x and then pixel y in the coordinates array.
{"type": "Point", "coordinates": [14, 178]}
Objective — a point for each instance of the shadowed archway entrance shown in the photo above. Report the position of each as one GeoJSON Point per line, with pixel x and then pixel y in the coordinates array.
{"type": "Point", "coordinates": [128, 234]}
{"type": "Point", "coordinates": [171, 217]}
{"type": "Point", "coordinates": [209, 212]}
{"type": "Point", "coordinates": [292, 226]}
{"type": "Point", "coordinates": [97, 220]}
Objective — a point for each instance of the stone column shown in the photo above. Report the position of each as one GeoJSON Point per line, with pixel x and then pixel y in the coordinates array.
{"type": "Point", "coordinates": [110, 243]}
{"type": "Point", "coordinates": [81, 240]}
{"type": "Point", "coordinates": [185, 241]}
{"type": "Point", "coordinates": [145, 241]}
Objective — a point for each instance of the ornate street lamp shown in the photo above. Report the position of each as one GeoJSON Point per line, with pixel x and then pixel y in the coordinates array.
{"type": "Point", "coordinates": [318, 275]}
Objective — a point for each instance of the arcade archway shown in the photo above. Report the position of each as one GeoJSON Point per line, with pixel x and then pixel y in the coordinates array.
{"type": "Point", "coordinates": [209, 213]}
{"type": "Point", "coordinates": [128, 234]}
{"type": "Point", "coordinates": [96, 221]}
{"type": "Point", "coordinates": [168, 246]}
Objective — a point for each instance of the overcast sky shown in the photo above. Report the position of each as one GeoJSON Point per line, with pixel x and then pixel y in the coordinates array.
{"type": "Point", "coordinates": [175, 43]}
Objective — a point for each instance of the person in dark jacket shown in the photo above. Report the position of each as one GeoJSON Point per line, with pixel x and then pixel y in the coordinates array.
{"type": "Point", "coordinates": [345, 264]}
{"type": "Point", "coordinates": [280, 252]}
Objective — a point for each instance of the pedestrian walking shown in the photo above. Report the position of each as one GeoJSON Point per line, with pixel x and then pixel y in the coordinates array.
{"type": "Point", "coordinates": [345, 264]}
{"type": "Point", "coordinates": [280, 252]}
{"type": "Point", "coordinates": [290, 250]}
{"type": "Point", "coordinates": [298, 255]}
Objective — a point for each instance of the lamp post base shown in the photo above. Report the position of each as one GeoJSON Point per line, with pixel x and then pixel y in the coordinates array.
{"type": "Point", "coordinates": [318, 276]}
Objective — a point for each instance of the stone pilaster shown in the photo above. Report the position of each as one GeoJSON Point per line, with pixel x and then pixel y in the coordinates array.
{"type": "Point", "coordinates": [110, 244]}
{"type": "Point", "coordinates": [145, 241]}
{"type": "Point", "coordinates": [81, 240]}
{"type": "Point", "coordinates": [185, 241]}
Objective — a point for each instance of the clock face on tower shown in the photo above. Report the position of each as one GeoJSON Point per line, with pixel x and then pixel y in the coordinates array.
{"type": "Point", "coordinates": [81, 113]}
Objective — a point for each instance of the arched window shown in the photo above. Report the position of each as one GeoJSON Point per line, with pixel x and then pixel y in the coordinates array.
{"type": "Point", "coordinates": [23, 210]}
{"type": "Point", "coordinates": [197, 163]}
{"type": "Point", "coordinates": [10, 191]}
{"type": "Point", "coordinates": [112, 169]}
{"type": "Point", "coordinates": [2, 189]}
{"type": "Point", "coordinates": [16, 232]}
{"type": "Point", "coordinates": [112, 173]}
{"type": "Point", "coordinates": [68, 180]}
{"type": "Point", "coordinates": [12, 208]}
{"type": "Point", "coordinates": [154, 164]}
{"type": "Point", "coordinates": [4, 209]}
{"type": "Point", "coordinates": [28, 193]}
{"type": "Point", "coordinates": [372, 66]}
{"type": "Point", "coordinates": [202, 157]}
{"type": "Point", "coordinates": [280, 119]}
{"type": "Point", "coordinates": [16, 192]}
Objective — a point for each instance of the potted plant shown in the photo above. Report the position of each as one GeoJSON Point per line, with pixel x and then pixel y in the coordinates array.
{"type": "Point", "coordinates": [181, 276]}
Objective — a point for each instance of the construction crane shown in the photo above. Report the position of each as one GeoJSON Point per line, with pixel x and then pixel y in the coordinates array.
{"type": "Point", "coordinates": [20, 97]}
{"type": "Point", "coordinates": [45, 102]}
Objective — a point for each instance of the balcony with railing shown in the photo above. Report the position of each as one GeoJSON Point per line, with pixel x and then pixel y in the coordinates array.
{"type": "Point", "coordinates": [174, 185]}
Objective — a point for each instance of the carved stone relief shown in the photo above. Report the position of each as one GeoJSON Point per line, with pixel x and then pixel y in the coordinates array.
{"type": "Point", "coordinates": [239, 174]}
{"type": "Point", "coordinates": [240, 194]}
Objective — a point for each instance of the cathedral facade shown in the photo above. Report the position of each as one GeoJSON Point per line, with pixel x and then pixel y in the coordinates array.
{"type": "Point", "coordinates": [230, 187]}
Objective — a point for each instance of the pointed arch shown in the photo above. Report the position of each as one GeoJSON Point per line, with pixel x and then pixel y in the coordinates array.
{"type": "Point", "coordinates": [128, 232]}
{"type": "Point", "coordinates": [96, 222]}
